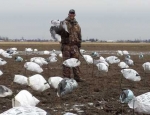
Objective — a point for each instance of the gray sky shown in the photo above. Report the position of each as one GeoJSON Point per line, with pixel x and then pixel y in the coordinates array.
{"type": "Point", "coordinates": [101, 19]}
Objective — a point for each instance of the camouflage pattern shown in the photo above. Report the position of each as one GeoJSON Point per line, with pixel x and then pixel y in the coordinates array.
{"type": "Point", "coordinates": [71, 51]}
{"type": "Point", "coordinates": [74, 35]}
{"type": "Point", "coordinates": [70, 44]}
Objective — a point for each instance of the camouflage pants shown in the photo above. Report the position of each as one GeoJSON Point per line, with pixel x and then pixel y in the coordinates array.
{"type": "Point", "coordinates": [70, 52]}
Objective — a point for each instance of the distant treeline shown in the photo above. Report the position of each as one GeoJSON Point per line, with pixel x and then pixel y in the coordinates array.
{"type": "Point", "coordinates": [6, 39]}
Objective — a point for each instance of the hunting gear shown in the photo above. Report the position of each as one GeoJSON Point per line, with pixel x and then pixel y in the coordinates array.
{"type": "Point", "coordinates": [70, 33]}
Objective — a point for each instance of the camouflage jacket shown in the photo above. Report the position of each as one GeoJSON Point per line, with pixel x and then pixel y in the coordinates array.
{"type": "Point", "coordinates": [74, 35]}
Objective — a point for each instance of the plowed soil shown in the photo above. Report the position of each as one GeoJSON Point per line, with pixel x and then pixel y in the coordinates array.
{"type": "Point", "coordinates": [97, 95]}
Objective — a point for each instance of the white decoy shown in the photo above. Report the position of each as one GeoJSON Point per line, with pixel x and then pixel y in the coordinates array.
{"type": "Point", "coordinates": [20, 79]}
{"type": "Point", "coordinates": [2, 62]}
{"type": "Point", "coordinates": [28, 49]}
{"type": "Point", "coordinates": [101, 60]}
{"type": "Point", "coordinates": [123, 65]}
{"type": "Point", "coordinates": [32, 66]}
{"type": "Point", "coordinates": [46, 52]}
{"type": "Point", "coordinates": [54, 81]}
{"type": "Point", "coordinates": [25, 110]}
{"type": "Point", "coordinates": [14, 49]}
{"type": "Point", "coordinates": [131, 74]}
{"type": "Point", "coordinates": [38, 83]}
{"type": "Point", "coordinates": [24, 98]}
{"type": "Point", "coordinates": [146, 67]}
{"type": "Point", "coordinates": [102, 67]}
{"type": "Point", "coordinates": [129, 61]}
{"type": "Point", "coordinates": [11, 51]}
{"type": "Point", "coordinates": [66, 86]}
{"type": "Point", "coordinates": [4, 91]}
{"type": "Point", "coordinates": [6, 55]}
{"type": "Point", "coordinates": [125, 52]}
{"type": "Point", "coordinates": [35, 50]}
{"type": "Point", "coordinates": [39, 60]}
{"type": "Point", "coordinates": [140, 104]}
{"type": "Point", "coordinates": [1, 51]}
{"type": "Point", "coordinates": [112, 59]}
{"type": "Point", "coordinates": [119, 53]}
{"type": "Point", "coordinates": [88, 59]}
{"type": "Point", "coordinates": [72, 62]}
{"type": "Point", "coordinates": [1, 73]}
{"type": "Point", "coordinates": [52, 59]}
{"type": "Point", "coordinates": [82, 51]}
{"type": "Point", "coordinates": [53, 54]}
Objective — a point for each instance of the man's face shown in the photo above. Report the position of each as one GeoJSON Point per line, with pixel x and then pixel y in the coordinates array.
{"type": "Point", "coordinates": [71, 15]}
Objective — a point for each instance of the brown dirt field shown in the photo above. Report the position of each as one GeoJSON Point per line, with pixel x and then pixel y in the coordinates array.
{"type": "Point", "coordinates": [98, 95]}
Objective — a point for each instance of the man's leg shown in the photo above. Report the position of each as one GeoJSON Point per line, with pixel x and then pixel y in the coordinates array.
{"type": "Point", "coordinates": [66, 55]}
{"type": "Point", "coordinates": [76, 70]}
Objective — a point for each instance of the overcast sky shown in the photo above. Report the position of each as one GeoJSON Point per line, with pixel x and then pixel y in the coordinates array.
{"type": "Point", "coordinates": [101, 19]}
